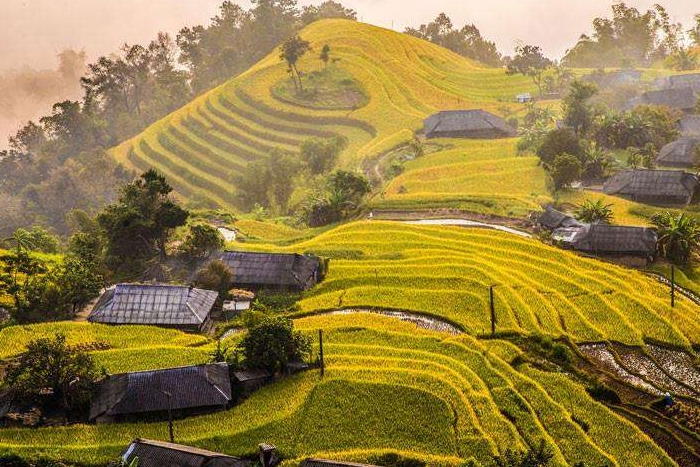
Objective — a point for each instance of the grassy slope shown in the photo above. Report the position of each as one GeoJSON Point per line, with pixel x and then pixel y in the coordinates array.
{"type": "Point", "coordinates": [446, 272]}
{"type": "Point", "coordinates": [201, 145]}
{"type": "Point", "coordinates": [479, 175]}
{"type": "Point", "coordinates": [388, 386]}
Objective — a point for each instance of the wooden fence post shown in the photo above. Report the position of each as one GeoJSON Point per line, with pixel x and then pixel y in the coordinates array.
{"type": "Point", "coordinates": [320, 352]}
{"type": "Point", "coordinates": [493, 311]}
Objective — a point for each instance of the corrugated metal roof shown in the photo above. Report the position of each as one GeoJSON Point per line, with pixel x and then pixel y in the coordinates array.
{"type": "Point", "coordinates": [552, 219]}
{"type": "Point", "coordinates": [161, 454]}
{"type": "Point", "coordinates": [144, 391]}
{"type": "Point", "coordinates": [247, 375]}
{"type": "Point", "coordinates": [652, 183]}
{"type": "Point", "coordinates": [456, 121]}
{"type": "Point", "coordinates": [690, 125]}
{"type": "Point", "coordinates": [690, 80]}
{"type": "Point", "coordinates": [157, 304]}
{"type": "Point", "coordinates": [272, 269]}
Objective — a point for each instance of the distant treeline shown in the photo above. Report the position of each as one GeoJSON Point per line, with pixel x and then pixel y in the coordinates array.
{"type": "Point", "coordinates": [58, 163]}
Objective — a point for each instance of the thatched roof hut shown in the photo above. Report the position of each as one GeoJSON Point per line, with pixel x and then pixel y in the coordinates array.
{"type": "Point", "coordinates": [675, 98]}
{"type": "Point", "coordinates": [615, 240]}
{"type": "Point", "coordinates": [552, 219]}
{"type": "Point", "coordinates": [474, 123]}
{"type": "Point", "coordinates": [175, 306]}
{"type": "Point", "coordinates": [690, 125]}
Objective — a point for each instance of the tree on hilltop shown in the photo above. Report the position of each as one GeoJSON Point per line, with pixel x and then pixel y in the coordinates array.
{"type": "Point", "coordinates": [529, 61]}
{"type": "Point", "coordinates": [291, 51]}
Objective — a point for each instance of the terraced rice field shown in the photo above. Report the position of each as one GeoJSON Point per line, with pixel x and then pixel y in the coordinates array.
{"type": "Point", "coordinates": [477, 175]}
{"type": "Point", "coordinates": [446, 271]}
{"type": "Point", "coordinates": [116, 348]}
{"type": "Point", "coordinates": [200, 146]}
{"type": "Point", "coordinates": [389, 387]}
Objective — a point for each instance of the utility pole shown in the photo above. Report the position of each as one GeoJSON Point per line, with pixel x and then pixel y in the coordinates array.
{"type": "Point", "coordinates": [493, 311]}
{"type": "Point", "coordinates": [673, 286]}
{"type": "Point", "coordinates": [170, 415]}
{"type": "Point", "coordinates": [320, 352]}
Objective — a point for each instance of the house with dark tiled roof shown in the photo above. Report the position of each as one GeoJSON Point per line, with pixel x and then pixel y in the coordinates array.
{"type": "Point", "coordinates": [273, 271]}
{"type": "Point", "coordinates": [661, 187]}
{"type": "Point", "coordinates": [476, 123]}
{"type": "Point", "coordinates": [151, 453]}
{"type": "Point", "coordinates": [552, 219]}
{"type": "Point", "coordinates": [680, 153]}
{"type": "Point", "coordinates": [683, 99]}
{"type": "Point", "coordinates": [689, 80]}
{"type": "Point", "coordinates": [183, 390]}
{"type": "Point", "coordinates": [633, 245]}
{"type": "Point", "coordinates": [690, 125]}
{"type": "Point", "coordinates": [175, 306]}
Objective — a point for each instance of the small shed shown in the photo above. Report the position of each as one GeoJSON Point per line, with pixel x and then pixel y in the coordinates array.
{"type": "Point", "coordinates": [690, 125]}
{"type": "Point", "coordinates": [552, 219]}
{"type": "Point", "coordinates": [273, 271]}
{"type": "Point", "coordinates": [476, 123]}
{"type": "Point", "coordinates": [151, 453]}
{"type": "Point", "coordinates": [240, 300]}
{"type": "Point", "coordinates": [680, 153]}
{"type": "Point", "coordinates": [523, 98]}
{"type": "Point", "coordinates": [661, 187]}
{"type": "Point", "coordinates": [683, 99]}
{"type": "Point", "coordinates": [188, 389]}
{"type": "Point", "coordinates": [174, 306]}
{"type": "Point", "coordinates": [245, 382]}
{"type": "Point", "coordinates": [616, 241]}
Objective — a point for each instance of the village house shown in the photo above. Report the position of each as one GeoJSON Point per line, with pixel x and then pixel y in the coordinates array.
{"type": "Point", "coordinates": [690, 80]}
{"type": "Point", "coordinates": [184, 391]}
{"type": "Point", "coordinates": [660, 187]}
{"type": "Point", "coordinates": [682, 152]}
{"type": "Point", "coordinates": [476, 123]}
{"type": "Point", "coordinates": [683, 99]}
{"type": "Point", "coordinates": [246, 382]}
{"type": "Point", "coordinates": [173, 306]}
{"type": "Point", "coordinates": [615, 78]}
{"type": "Point", "coordinates": [690, 125]}
{"type": "Point", "coordinates": [552, 219]}
{"type": "Point", "coordinates": [151, 453]}
{"type": "Point", "coordinates": [239, 300]}
{"type": "Point", "coordinates": [523, 98]}
{"type": "Point", "coordinates": [278, 272]}
{"type": "Point", "coordinates": [633, 246]}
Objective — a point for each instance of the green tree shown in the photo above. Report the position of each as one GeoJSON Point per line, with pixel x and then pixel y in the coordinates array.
{"type": "Point", "coordinates": [594, 212]}
{"type": "Point", "coordinates": [534, 457]}
{"type": "Point", "coordinates": [578, 110]}
{"type": "Point", "coordinates": [683, 60]}
{"type": "Point", "coordinates": [325, 55]}
{"type": "Point", "coordinates": [327, 9]}
{"type": "Point", "coordinates": [272, 343]}
{"type": "Point", "coordinates": [678, 235]}
{"type": "Point", "coordinates": [529, 61]}
{"type": "Point", "coordinates": [565, 170]}
{"type": "Point", "coordinates": [138, 225]}
{"type": "Point", "coordinates": [49, 363]}
{"type": "Point", "coordinates": [557, 142]}
{"type": "Point", "coordinates": [21, 277]}
{"type": "Point", "coordinates": [78, 282]}
{"type": "Point", "coordinates": [201, 241]}
{"type": "Point", "coordinates": [217, 276]}
{"type": "Point", "coordinates": [644, 157]}
{"type": "Point", "coordinates": [320, 155]}
{"type": "Point", "coordinates": [291, 51]}
{"type": "Point", "coordinates": [694, 32]}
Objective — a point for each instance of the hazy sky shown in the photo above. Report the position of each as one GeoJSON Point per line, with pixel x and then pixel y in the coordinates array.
{"type": "Point", "coordinates": [33, 31]}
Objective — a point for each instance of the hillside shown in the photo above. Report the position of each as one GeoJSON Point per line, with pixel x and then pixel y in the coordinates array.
{"type": "Point", "coordinates": [445, 399]}
{"type": "Point", "coordinates": [446, 271]}
{"type": "Point", "coordinates": [200, 146]}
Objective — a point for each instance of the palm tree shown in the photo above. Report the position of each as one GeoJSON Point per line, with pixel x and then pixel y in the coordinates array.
{"type": "Point", "coordinates": [683, 60]}
{"type": "Point", "coordinates": [594, 212]}
{"type": "Point", "coordinates": [679, 235]}
{"type": "Point", "coordinates": [22, 239]}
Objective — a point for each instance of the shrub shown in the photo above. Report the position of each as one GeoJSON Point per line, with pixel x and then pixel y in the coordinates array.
{"type": "Point", "coordinates": [272, 344]}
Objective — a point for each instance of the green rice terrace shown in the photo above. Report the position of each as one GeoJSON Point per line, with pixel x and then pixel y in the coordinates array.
{"type": "Point", "coordinates": [393, 80]}
{"type": "Point", "coordinates": [444, 399]}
